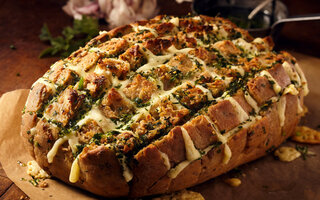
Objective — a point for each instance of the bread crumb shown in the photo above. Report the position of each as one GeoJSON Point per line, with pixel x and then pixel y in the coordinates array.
{"type": "Point", "coordinates": [181, 195]}
{"type": "Point", "coordinates": [35, 170]}
{"type": "Point", "coordinates": [43, 184]}
{"type": "Point", "coordinates": [234, 182]}
{"type": "Point", "coordinates": [306, 135]}
{"type": "Point", "coordinates": [37, 174]}
{"type": "Point", "coordinates": [287, 154]}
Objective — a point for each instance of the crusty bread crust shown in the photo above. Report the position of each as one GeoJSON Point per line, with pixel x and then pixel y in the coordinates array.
{"type": "Point", "coordinates": [235, 127]}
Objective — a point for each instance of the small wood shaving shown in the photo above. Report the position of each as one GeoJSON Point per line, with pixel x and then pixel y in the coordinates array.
{"type": "Point", "coordinates": [306, 135]}
{"type": "Point", "coordinates": [287, 154]}
{"type": "Point", "coordinates": [234, 182]}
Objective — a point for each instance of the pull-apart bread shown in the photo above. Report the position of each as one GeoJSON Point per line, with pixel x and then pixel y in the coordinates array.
{"type": "Point", "coordinates": [161, 105]}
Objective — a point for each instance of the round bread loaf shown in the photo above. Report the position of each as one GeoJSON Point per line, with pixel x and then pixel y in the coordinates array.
{"type": "Point", "coordinates": [161, 105]}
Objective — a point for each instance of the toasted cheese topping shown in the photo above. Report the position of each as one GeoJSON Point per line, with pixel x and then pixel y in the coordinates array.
{"type": "Point", "coordinates": [96, 115]}
{"type": "Point", "coordinates": [47, 83]}
{"type": "Point", "coordinates": [246, 46]}
{"type": "Point", "coordinates": [276, 87]}
{"type": "Point", "coordinates": [142, 28]}
{"type": "Point", "coordinates": [206, 91]}
{"type": "Point", "coordinates": [291, 89]}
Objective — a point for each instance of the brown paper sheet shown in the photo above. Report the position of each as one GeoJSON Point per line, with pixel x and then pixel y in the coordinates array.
{"type": "Point", "coordinates": [265, 178]}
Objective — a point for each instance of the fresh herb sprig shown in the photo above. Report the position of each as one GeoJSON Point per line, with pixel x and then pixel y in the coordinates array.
{"type": "Point", "coordinates": [303, 150]}
{"type": "Point", "coordinates": [71, 39]}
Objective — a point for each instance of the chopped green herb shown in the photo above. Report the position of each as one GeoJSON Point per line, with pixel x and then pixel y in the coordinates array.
{"type": "Point", "coordinates": [80, 85]}
{"type": "Point", "coordinates": [303, 150]}
{"type": "Point", "coordinates": [72, 37]}
{"type": "Point", "coordinates": [13, 47]}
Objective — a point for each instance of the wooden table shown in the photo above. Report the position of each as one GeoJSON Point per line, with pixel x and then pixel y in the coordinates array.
{"type": "Point", "coordinates": [21, 20]}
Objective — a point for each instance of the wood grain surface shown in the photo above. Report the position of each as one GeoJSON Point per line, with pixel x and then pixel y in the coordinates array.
{"type": "Point", "coordinates": [21, 21]}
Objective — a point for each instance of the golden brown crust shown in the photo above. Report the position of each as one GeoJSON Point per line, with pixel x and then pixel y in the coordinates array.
{"type": "Point", "coordinates": [217, 107]}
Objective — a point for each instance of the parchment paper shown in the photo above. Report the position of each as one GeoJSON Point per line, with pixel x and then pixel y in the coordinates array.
{"type": "Point", "coordinates": [265, 178]}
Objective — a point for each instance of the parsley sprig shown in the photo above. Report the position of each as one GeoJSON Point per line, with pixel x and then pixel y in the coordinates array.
{"type": "Point", "coordinates": [71, 39]}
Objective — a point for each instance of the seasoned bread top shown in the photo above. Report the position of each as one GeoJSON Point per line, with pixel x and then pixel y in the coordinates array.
{"type": "Point", "coordinates": [129, 87]}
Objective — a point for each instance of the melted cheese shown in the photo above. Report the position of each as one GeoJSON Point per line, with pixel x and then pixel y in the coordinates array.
{"type": "Point", "coordinates": [53, 151]}
{"type": "Point", "coordinates": [166, 160]}
{"type": "Point", "coordinates": [227, 154]}
{"type": "Point", "coordinates": [95, 114]}
{"type": "Point", "coordinates": [223, 140]}
{"type": "Point", "coordinates": [47, 83]}
{"type": "Point", "coordinates": [246, 46]}
{"type": "Point", "coordinates": [77, 69]}
{"type": "Point", "coordinates": [173, 50]}
{"type": "Point", "coordinates": [206, 91]}
{"type": "Point", "coordinates": [127, 173]}
{"type": "Point", "coordinates": [174, 172]}
{"type": "Point", "coordinates": [303, 79]}
{"type": "Point", "coordinates": [191, 152]}
{"type": "Point", "coordinates": [222, 33]}
{"type": "Point", "coordinates": [291, 89]}
{"type": "Point", "coordinates": [175, 21]}
{"type": "Point", "coordinates": [75, 171]}
{"type": "Point", "coordinates": [251, 101]}
{"type": "Point", "coordinates": [241, 113]}
{"type": "Point", "coordinates": [153, 61]}
{"type": "Point", "coordinates": [73, 142]}
{"type": "Point", "coordinates": [281, 107]}
{"type": "Point", "coordinates": [300, 109]}
{"type": "Point", "coordinates": [245, 125]}
{"type": "Point", "coordinates": [141, 28]}
{"type": "Point", "coordinates": [287, 154]}
{"type": "Point", "coordinates": [276, 87]}
{"type": "Point", "coordinates": [238, 69]}
{"type": "Point", "coordinates": [220, 137]}
{"type": "Point", "coordinates": [289, 70]}
{"type": "Point", "coordinates": [102, 32]}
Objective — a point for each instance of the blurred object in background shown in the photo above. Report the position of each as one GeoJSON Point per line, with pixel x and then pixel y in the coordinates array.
{"type": "Point", "coordinates": [114, 12]}
{"type": "Point", "coordinates": [238, 11]}
{"type": "Point", "coordinates": [181, 1]}
{"type": "Point", "coordinates": [294, 36]}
